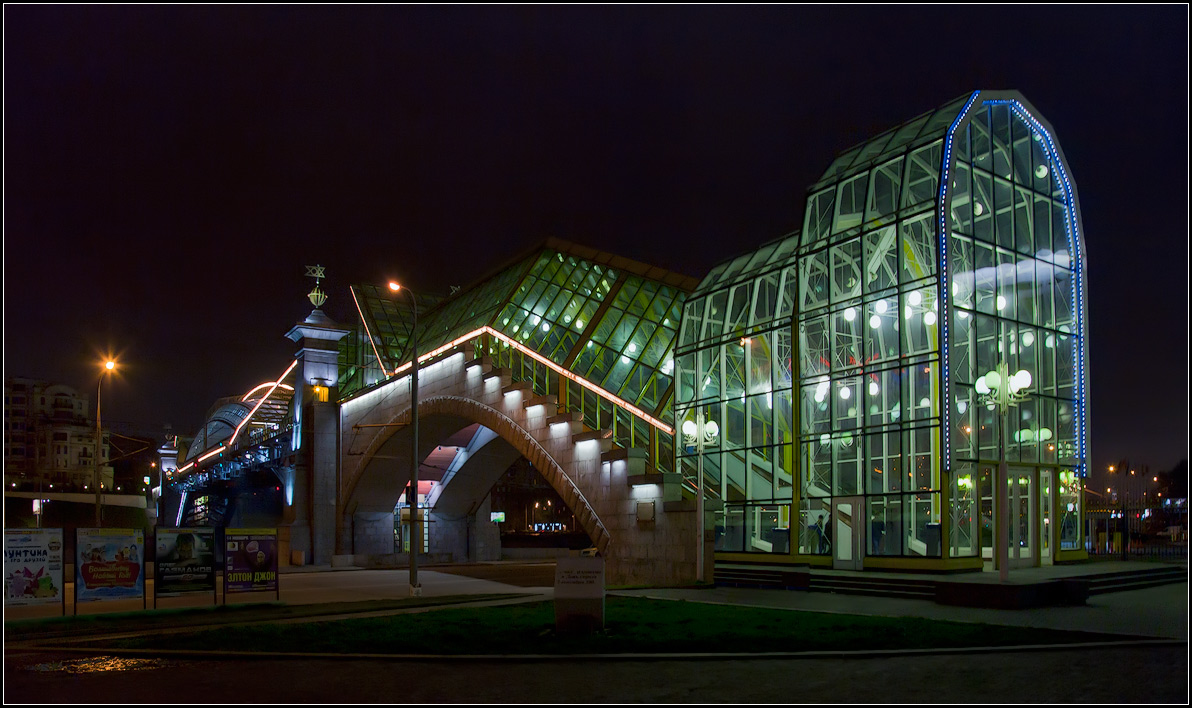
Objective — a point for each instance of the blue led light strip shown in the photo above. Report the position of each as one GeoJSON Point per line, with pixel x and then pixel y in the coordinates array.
{"type": "Point", "coordinates": [945, 289]}
{"type": "Point", "coordinates": [1061, 180]}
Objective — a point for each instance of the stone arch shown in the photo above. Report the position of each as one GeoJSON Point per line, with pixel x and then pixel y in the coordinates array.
{"type": "Point", "coordinates": [460, 408]}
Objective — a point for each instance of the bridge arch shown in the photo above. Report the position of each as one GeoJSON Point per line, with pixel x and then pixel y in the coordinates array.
{"type": "Point", "coordinates": [371, 488]}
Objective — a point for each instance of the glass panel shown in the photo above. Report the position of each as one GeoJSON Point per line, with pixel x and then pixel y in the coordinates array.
{"type": "Point", "coordinates": [813, 281]}
{"type": "Point", "coordinates": [815, 333]}
{"type": "Point", "coordinates": [922, 174]}
{"type": "Point", "coordinates": [919, 248]}
{"type": "Point", "coordinates": [885, 525]}
{"type": "Point", "coordinates": [730, 531]}
{"type": "Point", "coordinates": [884, 462]}
{"type": "Point", "coordinates": [846, 269]}
{"type": "Point", "coordinates": [884, 190]}
{"type": "Point", "coordinates": [850, 203]}
{"type": "Point", "coordinates": [881, 260]}
{"type": "Point", "coordinates": [818, 222]}
{"type": "Point", "coordinates": [964, 539]}
{"type": "Point", "coordinates": [881, 329]}
{"type": "Point", "coordinates": [761, 474]}
{"type": "Point", "coordinates": [816, 515]}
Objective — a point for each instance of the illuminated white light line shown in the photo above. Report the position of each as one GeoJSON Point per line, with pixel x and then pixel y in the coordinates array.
{"type": "Point", "coordinates": [214, 452]}
{"type": "Point", "coordinates": [550, 365]}
{"type": "Point", "coordinates": [260, 403]}
{"type": "Point", "coordinates": [367, 331]}
{"type": "Point", "coordinates": [263, 385]}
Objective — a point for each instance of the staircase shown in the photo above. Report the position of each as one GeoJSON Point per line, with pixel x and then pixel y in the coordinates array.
{"type": "Point", "coordinates": [875, 585]}
{"type": "Point", "coordinates": [1135, 579]}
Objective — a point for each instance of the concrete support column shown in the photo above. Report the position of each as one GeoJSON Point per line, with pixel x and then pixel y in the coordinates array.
{"type": "Point", "coordinates": [316, 527]}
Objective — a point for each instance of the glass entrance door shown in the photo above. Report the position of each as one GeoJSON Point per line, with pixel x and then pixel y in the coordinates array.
{"type": "Point", "coordinates": [848, 533]}
{"type": "Point", "coordinates": [1046, 530]}
{"type": "Point", "coordinates": [1023, 517]}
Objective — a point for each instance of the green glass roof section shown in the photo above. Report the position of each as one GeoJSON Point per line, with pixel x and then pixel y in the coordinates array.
{"type": "Point", "coordinates": [609, 319]}
{"type": "Point", "coordinates": [743, 294]}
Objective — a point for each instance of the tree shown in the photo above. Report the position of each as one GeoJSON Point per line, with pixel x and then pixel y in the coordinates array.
{"type": "Point", "coordinates": [1173, 484]}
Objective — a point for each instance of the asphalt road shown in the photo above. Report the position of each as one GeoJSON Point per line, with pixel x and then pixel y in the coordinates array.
{"type": "Point", "coordinates": [1139, 674]}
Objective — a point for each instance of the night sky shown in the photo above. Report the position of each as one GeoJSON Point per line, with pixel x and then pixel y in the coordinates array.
{"type": "Point", "coordinates": [169, 171]}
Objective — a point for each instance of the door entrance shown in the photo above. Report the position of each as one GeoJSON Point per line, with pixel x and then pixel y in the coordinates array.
{"type": "Point", "coordinates": [1046, 532]}
{"type": "Point", "coordinates": [848, 533]}
{"type": "Point", "coordinates": [1023, 518]}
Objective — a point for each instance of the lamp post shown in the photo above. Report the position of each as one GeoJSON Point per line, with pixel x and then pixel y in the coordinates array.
{"type": "Point", "coordinates": [415, 535]}
{"type": "Point", "coordinates": [998, 389]}
{"type": "Point", "coordinates": [109, 365]}
{"type": "Point", "coordinates": [698, 433]}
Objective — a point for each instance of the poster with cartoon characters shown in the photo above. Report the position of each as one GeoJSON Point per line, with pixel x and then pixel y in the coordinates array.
{"type": "Point", "coordinates": [185, 561]}
{"type": "Point", "coordinates": [110, 564]}
{"type": "Point", "coordinates": [251, 559]}
{"type": "Point", "coordinates": [33, 566]}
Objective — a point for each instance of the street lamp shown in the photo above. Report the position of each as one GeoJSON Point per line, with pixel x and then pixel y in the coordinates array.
{"type": "Point", "coordinates": [698, 433]}
{"type": "Point", "coordinates": [998, 389]}
{"type": "Point", "coordinates": [109, 366]}
{"type": "Point", "coordinates": [415, 536]}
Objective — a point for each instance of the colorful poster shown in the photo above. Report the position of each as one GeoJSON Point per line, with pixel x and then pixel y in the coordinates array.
{"type": "Point", "coordinates": [251, 556]}
{"type": "Point", "coordinates": [185, 561]}
{"type": "Point", "coordinates": [33, 566]}
{"type": "Point", "coordinates": [110, 564]}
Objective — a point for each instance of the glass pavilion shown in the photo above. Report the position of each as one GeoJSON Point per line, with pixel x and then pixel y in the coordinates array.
{"type": "Point", "coordinates": [831, 385]}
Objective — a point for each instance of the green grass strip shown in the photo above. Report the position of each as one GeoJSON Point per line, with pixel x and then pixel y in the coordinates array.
{"type": "Point", "coordinates": [632, 625]}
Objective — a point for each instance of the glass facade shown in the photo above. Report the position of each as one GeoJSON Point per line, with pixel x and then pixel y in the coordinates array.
{"type": "Point", "coordinates": [829, 380]}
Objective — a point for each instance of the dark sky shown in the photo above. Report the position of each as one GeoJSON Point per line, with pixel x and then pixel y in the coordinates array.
{"type": "Point", "coordinates": [169, 171]}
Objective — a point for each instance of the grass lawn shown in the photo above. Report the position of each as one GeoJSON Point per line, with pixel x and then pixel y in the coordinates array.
{"type": "Point", "coordinates": [632, 625]}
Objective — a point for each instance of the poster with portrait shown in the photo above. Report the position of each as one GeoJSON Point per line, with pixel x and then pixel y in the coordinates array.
{"type": "Point", "coordinates": [185, 561]}
{"type": "Point", "coordinates": [251, 557]}
{"type": "Point", "coordinates": [110, 564]}
{"type": "Point", "coordinates": [33, 567]}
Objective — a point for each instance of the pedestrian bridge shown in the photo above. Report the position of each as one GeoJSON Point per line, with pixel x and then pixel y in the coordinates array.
{"type": "Point", "coordinates": [563, 358]}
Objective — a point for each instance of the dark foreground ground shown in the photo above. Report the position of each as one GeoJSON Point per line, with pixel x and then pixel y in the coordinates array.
{"type": "Point", "coordinates": [1089, 674]}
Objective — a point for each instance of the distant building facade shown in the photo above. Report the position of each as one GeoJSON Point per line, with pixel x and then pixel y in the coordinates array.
{"type": "Point", "coordinates": [49, 438]}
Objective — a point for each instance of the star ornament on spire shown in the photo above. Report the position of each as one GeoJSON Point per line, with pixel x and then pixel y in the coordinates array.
{"type": "Point", "coordinates": [316, 296]}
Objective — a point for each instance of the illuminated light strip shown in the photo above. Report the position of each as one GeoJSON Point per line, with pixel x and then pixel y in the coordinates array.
{"type": "Point", "coordinates": [214, 452]}
{"type": "Point", "coordinates": [367, 331]}
{"type": "Point", "coordinates": [582, 381]}
{"type": "Point", "coordinates": [184, 468]}
{"type": "Point", "coordinates": [260, 403]}
{"type": "Point", "coordinates": [548, 364]}
{"type": "Point", "coordinates": [1077, 276]}
{"type": "Point", "coordinates": [263, 385]}
{"type": "Point", "coordinates": [945, 290]}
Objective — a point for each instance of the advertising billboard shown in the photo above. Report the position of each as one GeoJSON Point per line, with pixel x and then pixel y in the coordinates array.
{"type": "Point", "coordinates": [110, 564]}
{"type": "Point", "coordinates": [251, 560]}
{"type": "Point", "coordinates": [33, 566]}
{"type": "Point", "coordinates": [185, 561]}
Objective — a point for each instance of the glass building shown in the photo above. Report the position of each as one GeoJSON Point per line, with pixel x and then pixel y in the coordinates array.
{"type": "Point", "coordinates": [833, 389]}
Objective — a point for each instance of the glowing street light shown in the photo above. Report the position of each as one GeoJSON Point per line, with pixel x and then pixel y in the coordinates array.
{"type": "Point", "coordinates": [415, 536]}
{"type": "Point", "coordinates": [697, 433]}
{"type": "Point", "coordinates": [1001, 390]}
{"type": "Point", "coordinates": [109, 366]}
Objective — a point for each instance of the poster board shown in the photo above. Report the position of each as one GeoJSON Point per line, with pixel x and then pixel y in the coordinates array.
{"type": "Point", "coordinates": [33, 568]}
{"type": "Point", "coordinates": [250, 561]}
{"type": "Point", "coordinates": [185, 561]}
{"type": "Point", "coordinates": [109, 565]}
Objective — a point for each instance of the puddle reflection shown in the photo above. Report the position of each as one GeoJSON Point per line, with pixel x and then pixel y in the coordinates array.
{"type": "Point", "coordinates": [102, 664]}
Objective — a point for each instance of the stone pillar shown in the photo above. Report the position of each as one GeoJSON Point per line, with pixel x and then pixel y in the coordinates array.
{"type": "Point", "coordinates": [316, 481]}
